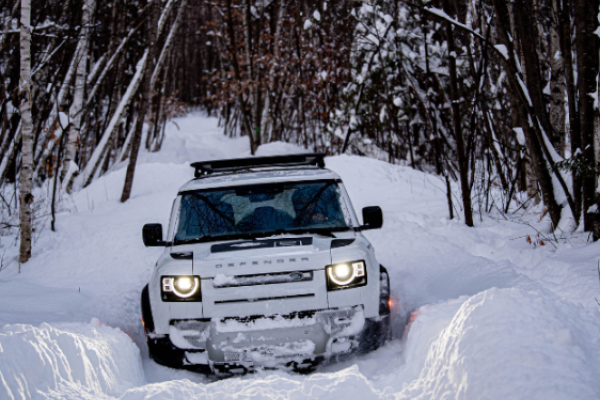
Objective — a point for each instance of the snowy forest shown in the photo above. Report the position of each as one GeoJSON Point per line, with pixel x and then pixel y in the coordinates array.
{"type": "Point", "coordinates": [494, 95]}
{"type": "Point", "coordinates": [444, 243]}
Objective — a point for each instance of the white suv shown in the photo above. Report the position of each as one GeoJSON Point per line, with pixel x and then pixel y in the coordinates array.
{"type": "Point", "coordinates": [264, 265]}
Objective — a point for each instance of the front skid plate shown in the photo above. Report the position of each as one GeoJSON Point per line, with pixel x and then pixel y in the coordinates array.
{"type": "Point", "coordinates": [268, 346]}
{"type": "Point", "coordinates": [271, 341]}
{"type": "Point", "coordinates": [228, 369]}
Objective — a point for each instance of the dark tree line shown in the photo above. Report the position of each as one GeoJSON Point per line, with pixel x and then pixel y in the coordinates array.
{"type": "Point", "coordinates": [493, 94]}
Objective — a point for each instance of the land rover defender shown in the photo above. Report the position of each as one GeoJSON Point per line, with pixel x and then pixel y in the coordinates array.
{"type": "Point", "coordinates": [265, 264]}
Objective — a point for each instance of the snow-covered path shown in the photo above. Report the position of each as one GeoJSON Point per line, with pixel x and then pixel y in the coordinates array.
{"type": "Point", "coordinates": [496, 318]}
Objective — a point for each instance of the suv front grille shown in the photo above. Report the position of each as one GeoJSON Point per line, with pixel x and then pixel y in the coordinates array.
{"type": "Point", "coordinates": [297, 314]}
{"type": "Point", "coordinates": [222, 281]}
{"type": "Point", "coordinates": [264, 299]}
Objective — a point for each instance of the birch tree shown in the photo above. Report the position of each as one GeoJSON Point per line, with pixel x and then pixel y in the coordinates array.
{"type": "Point", "coordinates": [25, 88]}
{"type": "Point", "coordinates": [78, 95]}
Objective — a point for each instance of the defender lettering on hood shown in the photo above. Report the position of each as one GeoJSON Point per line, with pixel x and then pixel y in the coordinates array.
{"type": "Point", "coordinates": [278, 261]}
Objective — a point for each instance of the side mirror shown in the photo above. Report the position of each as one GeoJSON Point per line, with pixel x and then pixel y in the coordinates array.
{"type": "Point", "coordinates": [152, 235]}
{"type": "Point", "coordinates": [372, 218]}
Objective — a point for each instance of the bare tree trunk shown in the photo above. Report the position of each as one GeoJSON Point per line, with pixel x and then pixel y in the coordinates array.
{"type": "Point", "coordinates": [246, 118]}
{"type": "Point", "coordinates": [574, 131]}
{"type": "Point", "coordinates": [463, 162]}
{"type": "Point", "coordinates": [126, 145]}
{"type": "Point", "coordinates": [533, 79]}
{"type": "Point", "coordinates": [55, 186]}
{"type": "Point", "coordinates": [597, 151]}
{"type": "Point", "coordinates": [557, 82]}
{"type": "Point", "coordinates": [267, 120]}
{"type": "Point", "coordinates": [587, 68]}
{"type": "Point", "coordinates": [136, 140]}
{"type": "Point", "coordinates": [534, 131]}
{"type": "Point", "coordinates": [80, 80]}
{"type": "Point", "coordinates": [252, 84]}
{"type": "Point", "coordinates": [25, 86]}
{"type": "Point", "coordinates": [531, 181]}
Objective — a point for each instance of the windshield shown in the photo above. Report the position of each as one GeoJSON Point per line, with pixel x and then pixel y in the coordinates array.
{"type": "Point", "coordinates": [260, 210]}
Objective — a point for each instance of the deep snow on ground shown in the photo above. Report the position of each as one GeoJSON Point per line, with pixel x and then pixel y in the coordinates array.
{"type": "Point", "coordinates": [495, 317]}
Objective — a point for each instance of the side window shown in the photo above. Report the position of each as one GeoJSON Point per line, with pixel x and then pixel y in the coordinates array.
{"type": "Point", "coordinates": [174, 218]}
{"type": "Point", "coordinates": [349, 214]}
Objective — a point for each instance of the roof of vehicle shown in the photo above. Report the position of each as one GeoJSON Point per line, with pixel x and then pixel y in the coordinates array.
{"type": "Point", "coordinates": [258, 176]}
{"type": "Point", "coordinates": [204, 168]}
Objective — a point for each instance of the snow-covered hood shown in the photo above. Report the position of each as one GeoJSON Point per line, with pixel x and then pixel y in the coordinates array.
{"type": "Point", "coordinates": [247, 257]}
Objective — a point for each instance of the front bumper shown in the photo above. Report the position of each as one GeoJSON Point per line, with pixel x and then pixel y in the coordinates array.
{"type": "Point", "coordinates": [268, 341]}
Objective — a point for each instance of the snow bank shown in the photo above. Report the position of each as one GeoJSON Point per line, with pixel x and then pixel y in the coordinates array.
{"type": "Point", "coordinates": [346, 384]}
{"type": "Point", "coordinates": [66, 361]}
{"type": "Point", "coordinates": [505, 344]}
{"type": "Point", "coordinates": [498, 344]}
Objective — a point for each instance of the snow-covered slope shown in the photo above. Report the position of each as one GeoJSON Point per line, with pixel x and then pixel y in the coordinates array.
{"type": "Point", "coordinates": [492, 316]}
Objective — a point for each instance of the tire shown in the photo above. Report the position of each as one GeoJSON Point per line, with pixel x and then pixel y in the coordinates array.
{"type": "Point", "coordinates": [147, 319]}
{"type": "Point", "coordinates": [308, 366]}
{"type": "Point", "coordinates": [378, 330]}
{"type": "Point", "coordinates": [164, 353]}
{"type": "Point", "coordinates": [160, 349]}
{"type": "Point", "coordinates": [384, 292]}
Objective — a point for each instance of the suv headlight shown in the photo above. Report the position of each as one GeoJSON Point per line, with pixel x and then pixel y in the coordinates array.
{"type": "Point", "coordinates": [180, 288]}
{"type": "Point", "coordinates": [346, 275]}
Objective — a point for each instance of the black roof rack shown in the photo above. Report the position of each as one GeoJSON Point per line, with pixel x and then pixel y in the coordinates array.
{"type": "Point", "coordinates": [237, 164]}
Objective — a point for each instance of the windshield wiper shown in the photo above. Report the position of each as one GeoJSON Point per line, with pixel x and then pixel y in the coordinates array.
{"type": "Point", "coordinates": [319, 231]}
{"type": "Point", "coordinates": [323, 232]}
{"type": "Point", "coordinates": [209, 238]}
{"type": "Point", "coordinates": [233, 236]}
{"type": "Point", "coordinates": [257, 235]}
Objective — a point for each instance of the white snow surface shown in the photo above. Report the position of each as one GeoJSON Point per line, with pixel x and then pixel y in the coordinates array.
{"type": "Point", "coordinates": [493, 316]}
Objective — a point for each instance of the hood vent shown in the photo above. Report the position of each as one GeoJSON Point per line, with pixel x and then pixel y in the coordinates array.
{"type": "Point", "coordinates": [335, 243]}
{"type": "Point", "coordinates": [260, 244]}
{"type": "Point", "coordinates": [182, 256]}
